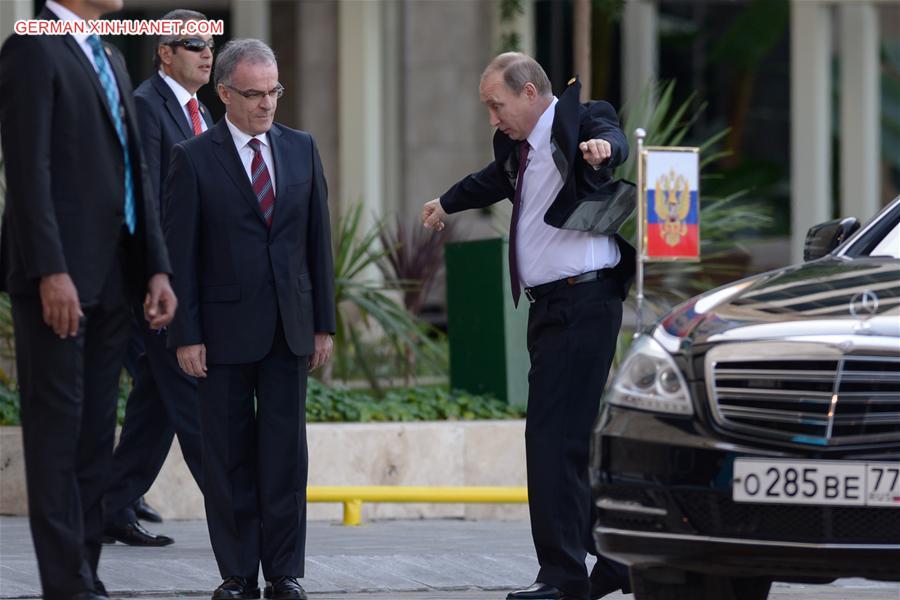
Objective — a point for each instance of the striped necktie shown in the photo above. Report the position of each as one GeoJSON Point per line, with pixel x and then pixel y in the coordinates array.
{"type": "Point", "coordinates": [261, 182]}
{"type": "Point", "coordinates": [194, 112]}
{"type": "Point", "coordinates": [108, 81]}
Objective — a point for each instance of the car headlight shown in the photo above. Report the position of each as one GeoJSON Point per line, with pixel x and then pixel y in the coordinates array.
{"type": "Point", "coordinates": [650, 380]}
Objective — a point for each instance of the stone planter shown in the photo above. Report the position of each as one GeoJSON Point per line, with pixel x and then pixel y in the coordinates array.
{"type": "Point", "coordinates": [431, 453]}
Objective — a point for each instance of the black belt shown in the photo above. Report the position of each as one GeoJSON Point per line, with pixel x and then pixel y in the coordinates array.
{"type": "Point", "coordinates": [539, 291]}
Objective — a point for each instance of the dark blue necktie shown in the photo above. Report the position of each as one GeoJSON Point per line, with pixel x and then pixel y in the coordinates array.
{"type": "Point", "coordinates": [108, 81]}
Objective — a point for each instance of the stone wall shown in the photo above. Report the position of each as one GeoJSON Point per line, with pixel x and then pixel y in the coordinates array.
{"type": "Point", "coordinates": [427, 454]}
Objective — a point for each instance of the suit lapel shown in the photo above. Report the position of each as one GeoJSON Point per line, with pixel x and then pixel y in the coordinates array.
{"type": "Point", "coordinates": [90, 73]}
{"type": "Point", "coordinates": [279, 157]}
{"type": "Point", "coordinates": [175, 110]}
{"type": "Point", "coordinates": [178, 116]}
{"type": "Point", "coordinates": [204, 112]}
{"type": "Point", "coordinates": [505, 157]}
{"type": "Point", "coordinates": [227, 156]}
{"type": "Point", "coordinates": [564, 133]}
{"type": "Point", "coordinates": [126, 108]}
{"type": "Point", "coordinates": [121, 77]}
{"type": "Point", "coordinates": [559, 159]}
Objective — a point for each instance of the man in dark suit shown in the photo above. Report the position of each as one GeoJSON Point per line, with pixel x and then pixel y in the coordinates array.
{"type": "Point", "coordinates": [248, 229]}
{"type": "Point", "coordinates": [164, 400]}
{"type": "Point", "coordinates": [552, 158]}
{"type": "Point", "coordinates": [80, 231]}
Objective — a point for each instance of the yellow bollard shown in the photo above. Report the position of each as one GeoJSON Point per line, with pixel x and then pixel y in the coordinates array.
{"type": "Point", "coordinates": [352, 512]}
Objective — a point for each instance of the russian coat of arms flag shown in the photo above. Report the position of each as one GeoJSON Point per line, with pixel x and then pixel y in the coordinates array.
{"type": "Point", "coordinates": [671, 204]}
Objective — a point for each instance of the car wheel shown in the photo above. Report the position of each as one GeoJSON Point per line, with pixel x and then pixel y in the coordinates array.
{"type": "Point", "coordinates": [672, 585]}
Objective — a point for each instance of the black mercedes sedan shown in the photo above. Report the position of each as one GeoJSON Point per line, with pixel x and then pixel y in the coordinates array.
{"type": "Point", "coordinates": [753, 433]}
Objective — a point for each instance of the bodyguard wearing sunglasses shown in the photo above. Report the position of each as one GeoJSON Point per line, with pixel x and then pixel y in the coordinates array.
{"type": "Point", "coordinates": [163, 401]}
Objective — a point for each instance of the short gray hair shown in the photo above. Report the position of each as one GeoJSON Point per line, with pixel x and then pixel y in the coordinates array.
{"type": "Point", "coordinates": [179, 14]}
{"type": "Point", "coordinates": [238, 51]}
{"type": "Point", "coordinates": [517, 70]}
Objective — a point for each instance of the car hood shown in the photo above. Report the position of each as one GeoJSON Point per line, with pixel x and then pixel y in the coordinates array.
{"type": "Point", "coordinates": [831, 298]}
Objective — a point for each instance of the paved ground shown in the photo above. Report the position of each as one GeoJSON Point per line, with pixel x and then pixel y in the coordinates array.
{"type": "Point", "coordinates": [396, 560]}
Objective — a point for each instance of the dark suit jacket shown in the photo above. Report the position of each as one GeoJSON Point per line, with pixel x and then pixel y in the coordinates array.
{"type": "Point", "coordinates": [234, 276]}
{"type": "Point", "coordinates": [65, 171]}
{"type": "Point", "coordinates": [163, 124]}
{"type": "Point", "coordinates": [573, 123]}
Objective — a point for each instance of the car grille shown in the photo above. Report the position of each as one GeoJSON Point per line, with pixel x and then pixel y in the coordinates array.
{"type": "Point", "coordinates": [626, 519]}
{"type": "Point", "coordinates": [813, 397]}
{"type": "Point", "coordinates": [715, 514]}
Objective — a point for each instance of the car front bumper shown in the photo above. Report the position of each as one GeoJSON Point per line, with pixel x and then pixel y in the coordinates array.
{"type": "Point", "coordinates": [662, 486]}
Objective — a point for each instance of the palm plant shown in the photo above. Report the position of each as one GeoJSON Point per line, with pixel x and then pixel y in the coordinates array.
{"type": "Point", "coordinates": [367, 306]}
{"type": "Point", "coordinates": [413, 258]}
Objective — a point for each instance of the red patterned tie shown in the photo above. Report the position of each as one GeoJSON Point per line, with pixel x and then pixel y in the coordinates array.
{"type": "Point", "coordinates": [194, 111]}
{"type": "Point", "coordinates": [517, 202]}
{"type": "Point", "coordinates": [261, 182]}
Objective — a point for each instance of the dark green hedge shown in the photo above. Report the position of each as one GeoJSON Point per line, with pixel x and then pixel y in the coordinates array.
{"type": "Point", "coordinates": [324, 404]}
{"type": "Point", "coordinates": [329, 405]}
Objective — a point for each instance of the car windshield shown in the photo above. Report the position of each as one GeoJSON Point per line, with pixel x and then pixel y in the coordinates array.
{"type": "Point", "coordinates": [881, 237]}
{"type": "Point", "coordinates": [890, 244]}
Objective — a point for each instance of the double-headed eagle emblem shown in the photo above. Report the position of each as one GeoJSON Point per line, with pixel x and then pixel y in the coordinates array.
{"type": "Point", "coordinates": [672, 203]}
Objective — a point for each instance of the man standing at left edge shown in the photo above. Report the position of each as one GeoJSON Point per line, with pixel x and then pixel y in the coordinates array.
{"type": "Point", "coordinates": [80, 237]}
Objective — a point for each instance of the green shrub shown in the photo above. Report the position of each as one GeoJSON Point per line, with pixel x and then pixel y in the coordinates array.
{"type": "Point", "coordinates": [9, 405]}
{"type": "Point", "coordinates": [330, 405]}
{"type": "Point", "coordinates": [326, 404]}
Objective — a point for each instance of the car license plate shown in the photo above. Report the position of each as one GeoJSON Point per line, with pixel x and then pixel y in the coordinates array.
{"type": "Point", "coordinates": [821, 482]}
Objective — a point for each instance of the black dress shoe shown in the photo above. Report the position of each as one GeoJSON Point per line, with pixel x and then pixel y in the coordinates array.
{"type": "Point", "coordinates": [604, 589]}
{"type": "Point", "coordinates": [285, 588]}
{"type": "Point", "coordinates": [145, 512]}
{"type": "Point", "coordinates": [537, 591]}
{"type": "Point", "coordinates": [134, 534]}
{"type": "Point", "coordinates": [603, 585]}
{"type": "Point", "coordinates": [236, 588]}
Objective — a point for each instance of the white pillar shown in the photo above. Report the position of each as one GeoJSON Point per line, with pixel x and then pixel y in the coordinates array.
{"type": "Point", "coordinates": [522, 25]}
{"type": "Point", "coordinates": [581, 46]}
{"type": "Point", "coordinates": [810, 119]}
{"type": "Point", "coordinates": [860, 110]}
{"type": "Point", "coordinates": [640, 47]}
{"type": "Point", "coordinates": [392, 110]}
{"type": "Point", "coordinates": [316, 80]}
{"type": "Point", "coordinates": [526, 28]}
{"type": "Point", "coordinates": [250, 19]}
{"type": "Point", "coordinates": [361, 105]}
{"type": "Point", "coordinates": [10, 12]}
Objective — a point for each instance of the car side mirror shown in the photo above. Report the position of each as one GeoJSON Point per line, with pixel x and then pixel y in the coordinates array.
{"type": "Point", "coordinates": [821, 239]}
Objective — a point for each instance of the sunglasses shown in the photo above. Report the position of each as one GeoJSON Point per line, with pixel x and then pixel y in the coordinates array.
{"type": "Point", "coordinates": [193, 44]}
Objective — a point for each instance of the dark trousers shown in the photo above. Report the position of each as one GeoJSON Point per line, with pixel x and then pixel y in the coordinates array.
{"type": "Point", "coordinates": [68, 390]}
{"type": "Point", "coordinates": [571, 340]}
{"type": "Point", "coordinates": [255, 463]}
{"type": "Point", "coordinates": [163, 402]}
